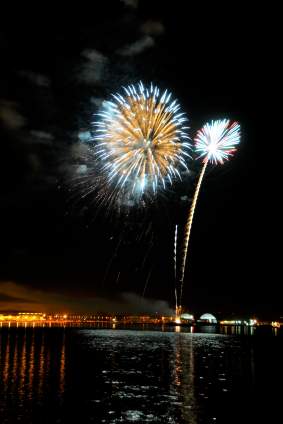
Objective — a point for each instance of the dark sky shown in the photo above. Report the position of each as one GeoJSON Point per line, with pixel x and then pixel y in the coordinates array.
{"type": "Point", "coordinates": [60, 250]}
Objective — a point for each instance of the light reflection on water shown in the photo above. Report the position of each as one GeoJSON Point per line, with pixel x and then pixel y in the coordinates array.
{"type": "Point", "coordinates": [65, 375]}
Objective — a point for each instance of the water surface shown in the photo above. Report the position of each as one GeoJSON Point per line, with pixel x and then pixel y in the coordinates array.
{"type": "Point", "coordinates": [78, 375]}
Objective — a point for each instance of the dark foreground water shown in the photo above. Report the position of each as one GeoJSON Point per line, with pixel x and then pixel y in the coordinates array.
{"type": "Point", "coordinates": [75, 375]}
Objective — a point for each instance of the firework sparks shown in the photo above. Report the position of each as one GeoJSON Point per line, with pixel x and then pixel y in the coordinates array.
{"type": "Point", "coordinates": [215, 142]}
{"type": "Point", "coordinates": [141, 140]}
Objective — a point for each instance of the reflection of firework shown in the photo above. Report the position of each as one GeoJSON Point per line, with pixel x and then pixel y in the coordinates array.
{"type": "Point", "coordinates": [140, 142]}
{"type": "Point", "coordinates": [216, 142]}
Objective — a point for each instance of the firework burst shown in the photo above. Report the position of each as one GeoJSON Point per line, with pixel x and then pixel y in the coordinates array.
{"type": "Point", "coordinates": [216, 141]}
{"type": "Point", "coordinates": [141, 141]}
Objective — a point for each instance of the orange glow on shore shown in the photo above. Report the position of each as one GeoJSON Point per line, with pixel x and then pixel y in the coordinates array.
{"type": "Point", "coordinates": [25, 318]}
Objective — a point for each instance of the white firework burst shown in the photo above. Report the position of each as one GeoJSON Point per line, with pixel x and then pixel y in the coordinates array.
{"type": "Point", "coordinates": [216, 141]}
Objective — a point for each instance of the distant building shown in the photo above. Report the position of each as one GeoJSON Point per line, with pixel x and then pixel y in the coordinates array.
{"type": "Point", "coordinates": [187, 317]}
{"type": "Point", "coordinates": [208, 318]}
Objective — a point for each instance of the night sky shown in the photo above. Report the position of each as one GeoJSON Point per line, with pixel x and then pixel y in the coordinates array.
{"type": "Point", "coordinates": [60, 251]}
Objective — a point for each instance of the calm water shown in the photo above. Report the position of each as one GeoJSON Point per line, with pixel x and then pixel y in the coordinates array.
{"type": "Point", "coordinates": [76, 375]}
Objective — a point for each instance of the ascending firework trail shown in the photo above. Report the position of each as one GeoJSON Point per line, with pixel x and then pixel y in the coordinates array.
{"type": "Point", "coordinates": [215, 143]}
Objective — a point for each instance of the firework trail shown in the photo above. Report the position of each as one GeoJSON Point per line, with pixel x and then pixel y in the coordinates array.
{"type": "Point", "coordinates": [176, 302]}
{"type": "Point", "coordinates": [175, 265]}
{"type": "Point", "coordinates": [146, 282]}
{"type": "Point", "coordinates": [188, 227]}
{"type": "Point", "coordinates": [118, 277]}
{"type": "Point", "coordinates": [215, 143]}
{"type": "Point", "coordinates": [175, 251]}
{"type": "Point", "coordinates": [111, 260]}
{"type": "Point", "coordinates": [140, 142]}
